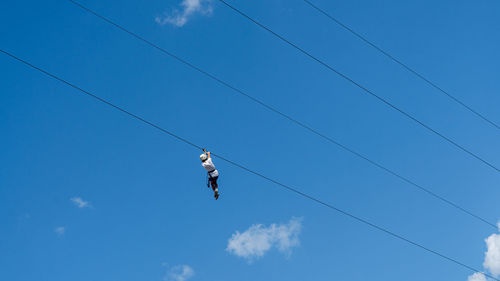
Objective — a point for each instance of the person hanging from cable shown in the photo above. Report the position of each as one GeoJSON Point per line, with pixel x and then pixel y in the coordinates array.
{"type": "Point", "coordinates": [213, 174]}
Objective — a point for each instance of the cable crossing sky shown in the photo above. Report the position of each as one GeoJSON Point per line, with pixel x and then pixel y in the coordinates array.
{"type": "Point", "coordinates": [290, 188]}
{"type": "Point", "coordinates": [405, 66]}
{"type": "Point", "coordinates": [409, 116]}
{"type": "Point", "coordinates": [288, 117]}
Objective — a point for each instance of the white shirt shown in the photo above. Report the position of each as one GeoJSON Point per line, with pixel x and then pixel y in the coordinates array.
{"type": "Point", "coordinates": [209, 166]}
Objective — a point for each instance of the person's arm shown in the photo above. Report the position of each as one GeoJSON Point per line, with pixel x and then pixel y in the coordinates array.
{"type": "Point", "coordinates": [208, 153]}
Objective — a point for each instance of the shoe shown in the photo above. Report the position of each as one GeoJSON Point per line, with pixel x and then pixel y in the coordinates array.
{"type": "Point", "coordinates": [216, 196]}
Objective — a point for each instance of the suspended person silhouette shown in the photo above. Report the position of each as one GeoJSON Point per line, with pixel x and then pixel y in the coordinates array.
{"type": "Point", "coordinates": [213, 174]}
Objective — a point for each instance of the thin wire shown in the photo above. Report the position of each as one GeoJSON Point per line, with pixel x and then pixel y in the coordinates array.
{"type": "Point", "coordinates": [358, 85]}
{"type": "Point", "coordinates": [293, 120]}
{"type": "Point", "coordinates": [289, 188]}
{"type": "Point", "coordinates": [401, 63]}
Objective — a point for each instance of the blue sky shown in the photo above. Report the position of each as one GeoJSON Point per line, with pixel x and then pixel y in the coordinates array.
{"type": "Point", "coordinates": [87, 193]}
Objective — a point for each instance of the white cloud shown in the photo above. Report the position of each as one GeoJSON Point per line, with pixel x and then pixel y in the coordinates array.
{"type": "Point", "coordinates": [258, 239]}
{"type": "Point", "coordinates": [179, 273]}
{"type": "Point", "coordinates": [189, 9]}
{"type": "Point", "coordinates": [477, 277]}
{"type": "Point", "coordinates": [60, 230]}
{"type": "Point", "coordinates": [491, 258]}
{"type": "Point", "coordinates": [80, 203]}
{"type": "Point", "coordinates": [492, 255]}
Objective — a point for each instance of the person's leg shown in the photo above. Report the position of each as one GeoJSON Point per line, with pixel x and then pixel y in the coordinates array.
{"type": "Point", "coordinates": [213, 182]}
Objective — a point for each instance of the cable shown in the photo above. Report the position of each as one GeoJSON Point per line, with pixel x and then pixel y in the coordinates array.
{"type": "Point", "coordinates": [358, 85]}
{"type": "Point", "coordinates": [401, 63]}
{"type": "Point", "coordinates": [292, 189]}
{"type": "Point", "coordinates": [293, 120]}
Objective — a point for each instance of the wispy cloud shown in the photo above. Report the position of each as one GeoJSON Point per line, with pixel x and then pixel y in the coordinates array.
{"type": "Point", "coordinates": [491, 258]}
{"type": "Point", "coordinates": [60, 230]}
{"type": "Point", "coordinates": [80, 203]}
{"type": "Point", "coordinates": [477, 277]}
{"type": "Point", "coordinates": [258, 239]}
{"type": "Point", "coordinates": [179, 273]}
{"type": "Point", "coordinates": [189, 8]}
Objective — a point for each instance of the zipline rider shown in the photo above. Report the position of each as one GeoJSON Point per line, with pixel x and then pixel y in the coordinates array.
{"type": "Point", "coordinates": [213, 174]}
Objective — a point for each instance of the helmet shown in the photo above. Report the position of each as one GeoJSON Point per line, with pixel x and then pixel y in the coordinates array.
{"type": "Point", "coordinates": [203, 157]}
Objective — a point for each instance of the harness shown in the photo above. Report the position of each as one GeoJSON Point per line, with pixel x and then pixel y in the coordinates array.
{"type": "Point", "coordinates": [209, 177]}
